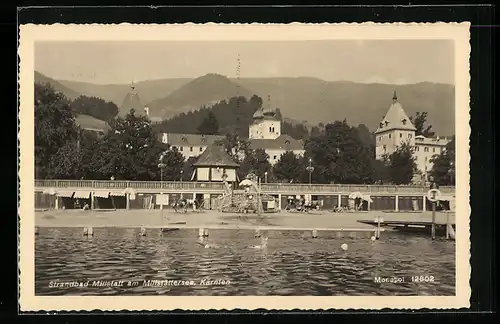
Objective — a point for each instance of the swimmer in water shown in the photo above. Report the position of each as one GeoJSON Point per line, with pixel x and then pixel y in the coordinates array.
{"type": "Point", "coordinates": [206, 245]}
{"type": "Point", "coordinates": [263, 244]}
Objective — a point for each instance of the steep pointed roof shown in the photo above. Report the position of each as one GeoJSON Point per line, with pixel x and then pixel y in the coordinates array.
{"type": "Point", "coordinates": [258, 114]}
{"type": "Point", "coordinates": [265, 111]}
{"type": "Point", "coordinates": [396, 118]}
{"type": "Point", "coordinates": [131, 101]}
{"type": "Point", "coordinates": [215, 156]}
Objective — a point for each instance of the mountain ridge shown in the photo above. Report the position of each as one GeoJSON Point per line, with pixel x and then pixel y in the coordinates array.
{"type": "Point", "coordinates": [299, 98]}
{"type": "Point", "coordinates": [58, 86]}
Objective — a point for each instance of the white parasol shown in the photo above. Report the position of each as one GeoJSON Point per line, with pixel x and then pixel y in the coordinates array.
{"type": "Point", "coordinates": [355, 195]}
{"type": "Point", "coordinates": [49, 191]}
{"type": "Point", "coordinates": [358, 194]}
{"type": "Point", "coordinates": [246, 183]}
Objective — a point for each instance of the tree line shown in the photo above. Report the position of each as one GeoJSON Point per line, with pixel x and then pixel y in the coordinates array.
{"type": "Point", "coordinates": [227, 116]}
{"type": "Point", "coordinates": [131, 148]}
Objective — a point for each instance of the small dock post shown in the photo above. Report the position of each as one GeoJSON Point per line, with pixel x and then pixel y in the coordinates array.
{"type": "Point", "coordinates": [377, 232]}
{"type": "Point", "coordinates": [314, 233]}
{"type": "Point", "coordinates": [257, 233]}
{"type": "Point", "coordinates": [143, 231]}
{"type": "Point", "coordinates": [433, 225]}
{"type": "Point", "coordinates": [447, 226]}
{"type": "Point", "coordinates": [88, 231]}
{"type": "Point", "coordinates": [202, 232]}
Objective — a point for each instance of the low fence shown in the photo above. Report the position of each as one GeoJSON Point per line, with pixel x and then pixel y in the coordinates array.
{"type": "Point", "coordinates": [285, 188]}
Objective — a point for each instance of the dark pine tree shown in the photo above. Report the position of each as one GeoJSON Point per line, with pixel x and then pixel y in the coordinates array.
{"type": "Point", "coordinates": [95, 107]}
{"type": "Point", "coordinates": [419, 122]}
{"type": "Point", "coordinates": [339, 155]}
{"type": "Point", "coordinates": [443, 168]}
{"type": "Point", "coordinates": [55, 129]}
{"type": "Point", "coordinates": [401, 164]}
{"type": "Point", "coordinates": [288, 168]}
{"type": "Point", "coordinates": [209, 125]}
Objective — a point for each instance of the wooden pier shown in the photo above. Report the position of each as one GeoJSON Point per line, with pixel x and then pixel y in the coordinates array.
{"type": "Point", "coordinates": [442, 229]}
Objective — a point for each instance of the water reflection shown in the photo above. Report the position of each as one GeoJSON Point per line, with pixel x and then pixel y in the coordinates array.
{"type": "Point", "coordinates": [291, 264]}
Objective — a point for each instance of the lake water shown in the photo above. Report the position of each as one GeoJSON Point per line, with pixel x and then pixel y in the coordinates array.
{"type": "Point", "coordinates": [292, 264]}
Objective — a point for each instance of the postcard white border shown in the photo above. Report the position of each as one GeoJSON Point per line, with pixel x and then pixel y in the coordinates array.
{"type": "Point", "coordinates": [30, 33]}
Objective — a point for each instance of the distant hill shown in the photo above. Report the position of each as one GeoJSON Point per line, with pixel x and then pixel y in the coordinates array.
{"type": "Point", "coordinates": [148, 90]}
{"type": "Point", "coordinates": [318, 101]}
{"type": "Point", "coordinates": [206, 90]}
{"type": "Point", "coordinates": [299, 99]}
{"type": "Point", "coordinates": [68, 92]}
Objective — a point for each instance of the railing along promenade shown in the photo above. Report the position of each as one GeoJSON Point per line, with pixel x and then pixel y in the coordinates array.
{"type": "Point", "coordinates": [285, 188]}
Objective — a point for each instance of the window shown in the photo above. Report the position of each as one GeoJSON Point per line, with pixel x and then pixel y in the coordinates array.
{"type": "Point", "coordinates": [274, 157]}
{"type": "Point", "coordinates": [409, 135]}
{"type": "Point", "coordinates": [173, 147]}
{"type": "Point", "coordinates": [181, 148]}
{"type": "Point", "coordinates": [426, 159]}
{"type": "Point", "coordinates": [201, 149]}
{"type": "Point", "coordinates": [191, 149]}
{"type": "Point", "coordinates": [404, 121]}
{"type": "Point", "coordinates": [433, 150]}
{"type": "Point", "coordinates": [385, 147]}
{"type": "Point", "coordinates": [417, 148]}
{"type": "Point", "coordinates": [270, 129]}
{"type": "Point", "coordinates": [400, 135]}
{"type": "Point", "coordinates": [426, 149]}
{"type": "Point", "coordinates": [389, 135]}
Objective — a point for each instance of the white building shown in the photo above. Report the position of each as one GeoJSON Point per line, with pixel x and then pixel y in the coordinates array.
{"type": "Point", "coordinates": [190, 145]}
{"type": "Point", "coordinates": [264, 133]}
{"type": "Point", "coordinates": [396, 129]}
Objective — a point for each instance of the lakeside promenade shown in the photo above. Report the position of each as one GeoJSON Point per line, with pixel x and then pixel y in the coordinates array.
{"type": "Point", "coordinates": [130, 195]}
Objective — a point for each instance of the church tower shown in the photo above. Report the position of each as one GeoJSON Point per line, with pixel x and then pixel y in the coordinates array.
{"type": "Point", "coordinates": [131, 101]}
{"type": "Point", "coordinates": [266, 125]}
{"type": "Point", "coordinates": [394, 129]}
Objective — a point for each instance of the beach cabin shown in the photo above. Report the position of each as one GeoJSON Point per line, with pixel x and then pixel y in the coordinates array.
{"type": "Point", "coordinates": [215, 165]}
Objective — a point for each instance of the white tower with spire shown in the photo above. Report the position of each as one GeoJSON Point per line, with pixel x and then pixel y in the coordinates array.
{"type": "Point", "coordinates": [394, 129]}
{"type": "Point", "coordinates": [266, 125]}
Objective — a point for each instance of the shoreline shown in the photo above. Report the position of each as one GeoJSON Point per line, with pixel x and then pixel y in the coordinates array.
{"type": "Point", "coordinates": [208, 218]}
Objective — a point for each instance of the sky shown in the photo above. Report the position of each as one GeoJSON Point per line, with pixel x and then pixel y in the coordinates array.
{"type": "Point", "coordinates": [367, 61]}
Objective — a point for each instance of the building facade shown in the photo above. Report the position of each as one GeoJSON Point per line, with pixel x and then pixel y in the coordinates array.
{"type": "Point", "coordinates": [396, 129]}
{"type": "Point", "coordinates": [190, 145]}
{"type": "Point", "coordinates": [264, 133]}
